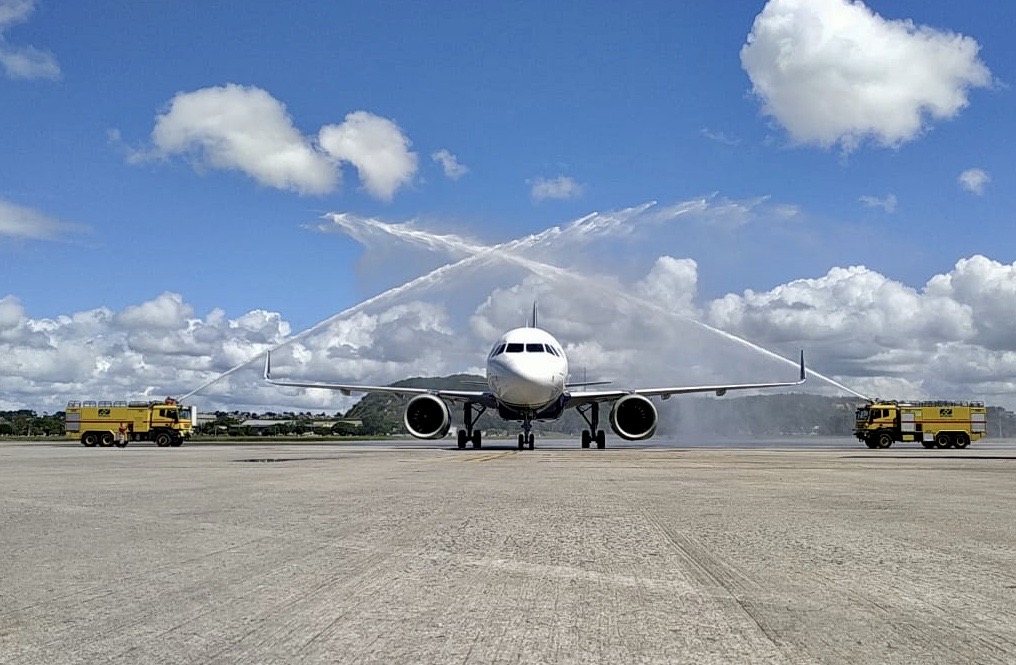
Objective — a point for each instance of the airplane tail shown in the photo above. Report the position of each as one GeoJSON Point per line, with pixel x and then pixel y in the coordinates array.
{"type": "Point", "coordinates": [533, 323]}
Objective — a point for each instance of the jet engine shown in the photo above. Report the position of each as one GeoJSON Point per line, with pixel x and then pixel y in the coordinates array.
{"type": "Point", "coordinates": [633, 418]}
{"type": "Point", "coordinates": [427, 417]}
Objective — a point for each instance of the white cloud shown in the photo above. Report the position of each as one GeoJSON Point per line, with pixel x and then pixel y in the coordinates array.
{"type": "Point", "coordinates": [450, 163]}
{"type": "Point", "coordinates": [376, 147]}
{"type": "Point", "coordinates": [950, 338]}
{"type": "Point", "coordinates": [246, 129]}
{"type": "Point", "coordinates": [719, 137]}
{"type": "Point", "coordinates": [20, 222]}
{"type": "Point", "coordinates": [974, 180]}
{"type": "Point", "coordinates": [887, 204]}
{"type": "Point", "coordinates": [243, 128]}
{"type": "Point", "coordinates": [834, 72]}
{"type": "Point", "coordinates": [561, 187]}
{"type": "Point", "coordinates": [23, 62]}
{"type": "Point", "coordinates": [167, 312]}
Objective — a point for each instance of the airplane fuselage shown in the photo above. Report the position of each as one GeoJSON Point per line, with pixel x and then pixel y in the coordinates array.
{"type": "Point", "coordinates": [527, 369]}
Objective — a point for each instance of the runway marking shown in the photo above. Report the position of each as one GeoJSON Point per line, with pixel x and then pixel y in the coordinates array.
{"type": "Point", "coordinates": [486, 457]}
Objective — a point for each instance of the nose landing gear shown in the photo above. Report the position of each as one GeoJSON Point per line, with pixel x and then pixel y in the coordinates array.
{"type": "Point", "coordinates": [527, 439]}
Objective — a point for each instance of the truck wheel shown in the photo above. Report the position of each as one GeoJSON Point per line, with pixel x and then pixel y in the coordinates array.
{"type": "Point", "coordinates": [176, 443]}
{"type": "Point", "coordinates": [943, 440]}
{"type": "Point", "coordinates": [89, 439]}
{"type": "Point", "coordinates": [870, 442]}
{"type": "Point", "coordinates": [884, 440]}
{"type": "Point", "coordinates": [962, 441]}
{"type": "Point", "coordinates": [162, 439]}
{"type": "Point", "coordinates": [106, 440]}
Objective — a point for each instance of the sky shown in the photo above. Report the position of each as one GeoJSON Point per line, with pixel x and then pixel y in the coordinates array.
{"type": "Point", "coordinates": [379, 189]}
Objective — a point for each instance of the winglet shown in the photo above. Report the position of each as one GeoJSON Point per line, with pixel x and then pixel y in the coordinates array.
{"type": "Point", "coordinates": [268, 366]}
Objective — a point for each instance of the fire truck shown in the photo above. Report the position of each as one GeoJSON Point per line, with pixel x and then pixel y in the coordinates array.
{"type": "Point", "coordinates": [107, 423]}
{"type": "Point", "coordinates": [934, 424]}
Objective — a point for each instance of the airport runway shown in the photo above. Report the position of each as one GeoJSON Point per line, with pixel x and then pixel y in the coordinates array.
{"type": "Point", "coordinates": [387, 553]}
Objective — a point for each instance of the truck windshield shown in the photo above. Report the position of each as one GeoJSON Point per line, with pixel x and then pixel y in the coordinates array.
{"type": "Point", "coordinates": [862, 414]}
{"type": "Point", "coordinates": [185, 413]}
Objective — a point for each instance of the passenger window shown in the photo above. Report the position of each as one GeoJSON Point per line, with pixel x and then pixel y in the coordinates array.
{"type": "Point", "coordinates": [534, 348]}
{"type": "Point", "coordinates": [514, 348]}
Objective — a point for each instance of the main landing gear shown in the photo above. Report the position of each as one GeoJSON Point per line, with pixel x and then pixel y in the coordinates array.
{"type": "Point", "coordinates": [469, 422]}
{"type": "Point", "coordinates": [591, 414]}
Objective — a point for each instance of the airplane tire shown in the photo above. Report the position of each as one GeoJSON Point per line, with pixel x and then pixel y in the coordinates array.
{"type": "Point", "coordinates": [532, 440]}
{"type": "Point", "coordinates": [585, 438]}
{"type": "Point", "coordinates": [601, 439]}
{"type": "Point", "coordinates": [477, 438]}
{"type": "Point", "coordinates": [522, 442]}
{"type": "Point", "coordinates": [462, 439]}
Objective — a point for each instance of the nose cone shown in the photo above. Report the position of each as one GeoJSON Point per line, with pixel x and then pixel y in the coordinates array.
{"type": "Point", "coordinates": [524, 381]}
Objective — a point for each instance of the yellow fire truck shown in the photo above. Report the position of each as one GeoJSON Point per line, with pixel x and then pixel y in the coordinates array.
{"type": "Point", "coordinates": [102, 423]}
{"type": "Point", "coordinates": [935, 424]}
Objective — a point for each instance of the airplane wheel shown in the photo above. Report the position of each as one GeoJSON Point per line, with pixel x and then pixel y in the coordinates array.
{"type": "Point", "coordinates": [477, 439]}
{"type": "Point", "coordinates": [532, 440]}
{"type": "Point", "coordinates": [601, 440]}
{"type": "Point", "coordinates": [522, 442]}
{"type": "Point", "coordinates": [585, 438]}
{"type": "Point", "coordinates": [462, 439]}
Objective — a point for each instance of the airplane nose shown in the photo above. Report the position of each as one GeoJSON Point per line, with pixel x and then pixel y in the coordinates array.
{"type": "Point", "coordinates": [528, 384]}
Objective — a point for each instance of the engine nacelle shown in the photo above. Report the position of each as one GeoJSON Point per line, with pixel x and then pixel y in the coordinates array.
{"type": "Point", "coordinates": [633, 418]}
{"type": "Point", "coordinates": [427, 417]}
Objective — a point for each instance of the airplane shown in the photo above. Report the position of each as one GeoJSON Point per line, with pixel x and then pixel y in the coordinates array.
{"type": "Point", "coordinates": [527, 381]}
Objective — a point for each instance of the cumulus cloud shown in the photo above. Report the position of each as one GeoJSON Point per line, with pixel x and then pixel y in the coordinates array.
{"type": "Point", "coordinates": [376, 147]}
{"type": "Point", "coordinates": [23, 62]}
{"type": "Point", "coordinates": [835, 72]}
{"type": "Point", "coordinates": [243, 128]}
{"type": "Point", "coordinates": [561, 187]}
{"type": "Point", "coordinates": [246, 129]}
{"type": "Point", "coordinates": [450, 163]}
{"type": "Point", "coordinates": [974, 180]}
{"type": "Point", "coordinates": [650, 324]}
{"type": "Point", "coordinates": [21, 222]}
{"type": "Point", "coordinates": [888, 203]}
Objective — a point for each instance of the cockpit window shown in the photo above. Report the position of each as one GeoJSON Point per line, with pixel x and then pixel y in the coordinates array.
{"type": "Point", "coordinates": [497, 350]}
{"type": "Point", "coordinates": [534, 348]}
{"type": "Point", "coordinates": [515, 347]}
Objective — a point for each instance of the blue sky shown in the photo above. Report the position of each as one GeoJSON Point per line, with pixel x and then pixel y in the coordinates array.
{"type": "Point", "coordinates": [115, 188]}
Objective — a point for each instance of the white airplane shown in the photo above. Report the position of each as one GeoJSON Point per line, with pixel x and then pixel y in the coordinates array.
{"type": "Point", "coordinates": [527, 375]}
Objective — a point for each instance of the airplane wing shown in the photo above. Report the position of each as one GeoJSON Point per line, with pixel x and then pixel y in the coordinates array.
{"type": "Point", "coordinates": [477, 396]}
{"type": "Point", "coordinates": [590, 396]}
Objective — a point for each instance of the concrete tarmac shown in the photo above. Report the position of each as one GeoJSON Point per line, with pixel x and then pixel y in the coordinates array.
{"type": "Point", "coordinates": [418, 553]}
